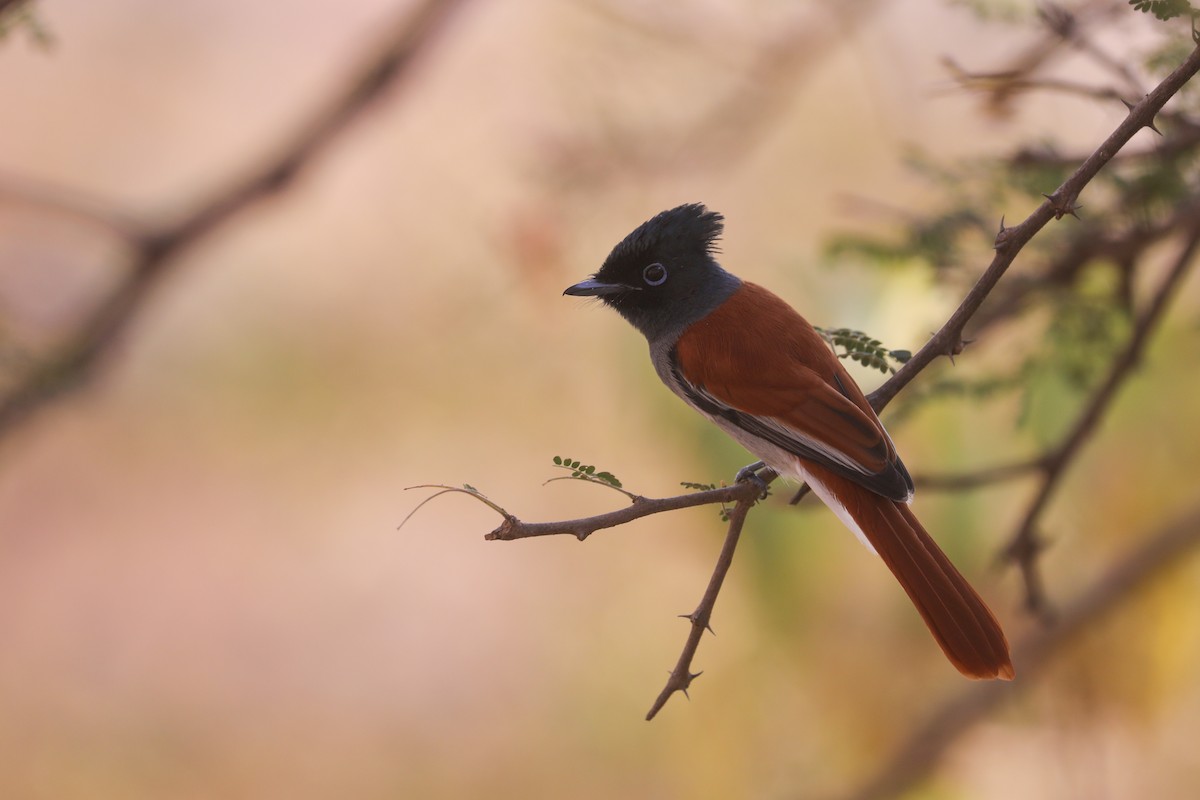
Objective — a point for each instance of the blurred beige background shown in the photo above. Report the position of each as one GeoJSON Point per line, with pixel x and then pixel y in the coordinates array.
{"type": "Point", "coordinates": [203, 592]}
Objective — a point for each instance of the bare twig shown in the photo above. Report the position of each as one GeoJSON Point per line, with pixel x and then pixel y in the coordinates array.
{"type": "Point", "coordinates": [916, 756]}
{"type": "Point", "coordinates": [442, 489]}
{"type": "Point", "coordinates": [156, 252]}
{"type": "Point", "coordinates": [513, 528]}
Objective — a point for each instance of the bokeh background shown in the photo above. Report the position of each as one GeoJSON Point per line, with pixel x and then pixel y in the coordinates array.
{"type": "Point", "coordinates": [203, 590]}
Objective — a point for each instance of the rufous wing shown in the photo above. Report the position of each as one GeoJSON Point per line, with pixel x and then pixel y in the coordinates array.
{"type": "Point", "coordinates": [758, 364]}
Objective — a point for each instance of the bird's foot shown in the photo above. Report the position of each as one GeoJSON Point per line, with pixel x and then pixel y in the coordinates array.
{"type": "Point", "coordinates": [757, 473]}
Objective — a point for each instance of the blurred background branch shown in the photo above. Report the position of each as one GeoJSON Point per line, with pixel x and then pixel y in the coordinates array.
{"type": "Point", "coordinates": [1026, 544]}
{"type": "Point", "coordinates": [20, 14]}
{"type": "Point", "coordinates": [157, 251]}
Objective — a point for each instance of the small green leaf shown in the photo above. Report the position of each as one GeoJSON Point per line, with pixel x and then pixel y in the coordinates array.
{"type": "Point", "coordinates": [608, 478]}
{"type": "Point", "coordinates": [1162, 9]}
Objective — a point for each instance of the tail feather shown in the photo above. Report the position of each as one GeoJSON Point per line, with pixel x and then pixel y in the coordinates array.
{"type": "Point", "coordinates": [956, 615]}
{"type": "Point", "coordinates": [959, 619]}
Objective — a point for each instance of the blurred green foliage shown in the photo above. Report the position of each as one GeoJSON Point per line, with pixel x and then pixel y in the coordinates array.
{"type": "Point", "coordinates": [1075, 285]}
{"type": "Point", "coordinates": [1164, 9]}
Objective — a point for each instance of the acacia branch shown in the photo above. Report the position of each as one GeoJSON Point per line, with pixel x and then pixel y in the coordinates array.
{"type": "Point", "coordinates": [1055, 461]}
{"type": "Point", "coordinates": [1102, 240]}
{"type": "Point", "coordinates": [948, 341]}
{"type": "Point", "coordinates": [156, 252]}
{"type": "Point", "coordinates": [682, 676]}
{"type": "Point", "coordinates": [744, 494]}
{"type": "Point", "coordinates": [513, 528]}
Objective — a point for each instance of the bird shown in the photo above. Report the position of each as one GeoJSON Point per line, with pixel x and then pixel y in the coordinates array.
{"type": "Point", "coordinates": [745, 359]}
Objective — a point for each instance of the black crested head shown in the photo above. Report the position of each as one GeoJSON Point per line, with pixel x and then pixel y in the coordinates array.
{"type": "Point", "coordinates": [689, 230]}
{"type": "Point", "coordinates": [662, 277]}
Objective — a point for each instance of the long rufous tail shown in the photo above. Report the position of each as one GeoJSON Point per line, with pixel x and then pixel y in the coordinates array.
{"type": "Point", "coordinates": [960, 621]}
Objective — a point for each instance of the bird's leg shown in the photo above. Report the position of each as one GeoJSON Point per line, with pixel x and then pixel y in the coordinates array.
{"type": "Point", "coordinates": [749, 472]}
{"type": "Point", "coordinates": [758, 473]}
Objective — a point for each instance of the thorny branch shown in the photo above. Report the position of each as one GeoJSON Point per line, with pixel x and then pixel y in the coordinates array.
{"type": "Point", "coordinates": [513, 528]}
{"type": "Point", "coordinates": [948, 341]}
{"type": "Point", "coordinates": [1009, 241]}
{"type": "Point", "coordinates": [156, 252]}
{"type": "Point", "coordinates": [682, 675]}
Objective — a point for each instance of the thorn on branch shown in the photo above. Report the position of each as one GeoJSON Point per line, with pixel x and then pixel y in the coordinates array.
{"type": "Point", "coordinates": [1002, 236]}
{"type": "Point", "coordinates": [1062, 206]}
{"type": "Point", "coordinates": [1148, 124]}
{"type": "Point", "coordinates": [956, 348]}
{"type": "Point", "coordinates": [695, 619]}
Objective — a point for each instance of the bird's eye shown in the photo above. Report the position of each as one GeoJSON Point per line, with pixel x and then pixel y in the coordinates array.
{"type": "Point", "coordinates": [655, 274]}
